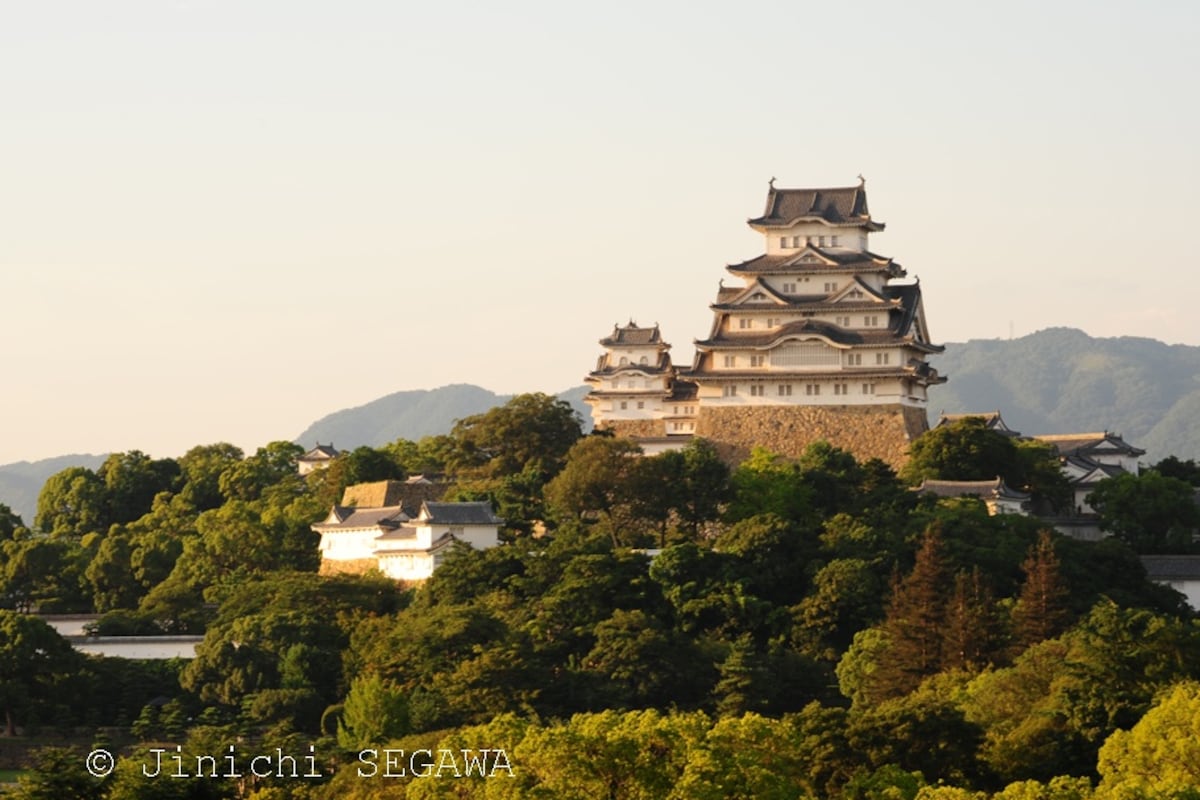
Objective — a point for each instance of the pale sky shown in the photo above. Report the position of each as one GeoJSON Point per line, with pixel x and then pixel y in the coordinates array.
{"type": "Point", "coordinates": [220, 221]}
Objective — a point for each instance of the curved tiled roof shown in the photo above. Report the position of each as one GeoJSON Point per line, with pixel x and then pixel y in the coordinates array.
{"type": "Point", "coordinates": [863, 261]}
{"type": "Point", "coordinates": [631, 334]}
{"type": "Point", "coordinates": [836, 206]}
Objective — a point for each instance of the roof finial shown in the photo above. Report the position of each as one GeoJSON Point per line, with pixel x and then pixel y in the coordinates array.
{"type": "Point", "coordinates": [861, 181]}
{"type": "Point", "coordinates": [771, 183]}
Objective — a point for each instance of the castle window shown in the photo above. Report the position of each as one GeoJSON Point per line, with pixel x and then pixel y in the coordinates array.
{"type": "Point", "coordinates": [643, 360]}
{"type": "Point", "coordinates": [731, 361]}
{"type": "Point", "coordinates": [729, 391]}
{"type": "Point", "coordinates": [623, 361]}
{"type": "Point", "coordinates": [785, 390]}
{"type": "Point", "coordinates": [812, 388]}
{"type": "Point", "coordinates": [783, 241]}
{"type": "Point", "coordinates": [833, 241]}
{"type": "Point", "coordinates": [856, 294]}
{"type": "Point", "coordinates": [805, 354]}
{"type": "Point", "coordinates": [868, 388]}
{"type": "Point", "coordinates": [831, 287]}
{"type": "Point", "coordinates": [840, 388]}
{"type": "Point", "coordinates": [871, 322]}
{"type": "Point", "coordinates": [745, 323]}
{"type": "Point", "coordinates": [641, 404]}
{"type": "Point", "coordinates": [757, 361]}
{"type": "Point", "coordinates": [624, 405]}
{"type": "Point", "coordinates": [789, 288]}
{"type": "Point", "coordinates": [821, 239]}
{"type": "Point", "coordinates": [757, 390]}
{"type": "Point", "coordinates": [795, 241]}
{"type": "Point", "coordinates": [854, 359]}
{"type": "Point", "coordinates": [881, 358]}
{"type": "Point", "coordinates": [843, 321]}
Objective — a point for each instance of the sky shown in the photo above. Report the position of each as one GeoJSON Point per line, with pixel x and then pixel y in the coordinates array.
{"type": "Point", "coordinates": [221, 221]}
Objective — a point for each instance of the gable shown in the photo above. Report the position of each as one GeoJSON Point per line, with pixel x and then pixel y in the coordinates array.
{"type": "Point", "coordinates": [758, 293]}
{"type": "Point", "coordinates": [858, 292]}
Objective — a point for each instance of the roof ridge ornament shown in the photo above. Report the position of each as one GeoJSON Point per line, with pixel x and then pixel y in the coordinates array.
{"type": "Point", "coordinates": [861, 181]}
{"type": "Point", "coordinates": [771, 183]}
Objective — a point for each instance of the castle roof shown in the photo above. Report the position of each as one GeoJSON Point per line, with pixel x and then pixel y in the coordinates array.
{"type": "Point", "coordinates": [1090, 444]}
{"type": "Point", "coordinates": [473, 513]}
{"type": "Point", "coordinates": [842, 206]}
{"type": "Point", "coordinates": [992, 421]}
{"type": "Point", "coordinates": [995, 489]}
{"type": "Point", "coordinates": [347, 517]}
{"type": "Point", "coordinates": [815, 258]}
{"type": "Point", "coordinates": [322, 452]}
{"type": "Point", "coordinates": [631, 334]}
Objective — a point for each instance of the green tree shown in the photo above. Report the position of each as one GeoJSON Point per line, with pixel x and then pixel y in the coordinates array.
{"type": "Point", "coordinates": [270, 466]}
{"type": "Point", "coordinates": [1160, 755]}
{"type": "Point", "coordinates": [201, 469]}
{"type": "Point", "coordinates": [10, 523]}
{"type": "Point", "coordinates": [58, 773]}
{"type": "Point", "coordinates": [964, 450]}
{"type": "Point", "coordinates": [1151, 512]}
{"type": "Point", "coordinates": [375, 712]}
{"type": "Point", "coordinates": [73, 502]}
{"type": "Point", "coordinates": [34, 662]}
{"type": "Point", "coordinates": [529, 429]}
{"type": "Point", "coordinates": [133, 479]}
{"type": "Point", "coordinates": [595, 477]}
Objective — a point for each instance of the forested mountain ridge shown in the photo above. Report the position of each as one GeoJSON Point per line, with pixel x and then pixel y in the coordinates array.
{"type": "Point", "coordinates": [1061, 380]}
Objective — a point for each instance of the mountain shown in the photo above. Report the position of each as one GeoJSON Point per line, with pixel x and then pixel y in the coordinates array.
{"type": "Point", "coordinates": [413, 414]}
{"type": "Point", "coordinates": [21, 483]}
{"type": "Point", "coordinates": [1061, 380]}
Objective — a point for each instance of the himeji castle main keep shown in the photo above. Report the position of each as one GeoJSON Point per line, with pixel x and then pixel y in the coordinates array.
{"type": "Point", "coordinates": [824, 339]}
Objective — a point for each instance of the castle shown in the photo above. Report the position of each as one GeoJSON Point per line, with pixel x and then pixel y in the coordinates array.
{"type": "Point", "coordinates": [823, 339]}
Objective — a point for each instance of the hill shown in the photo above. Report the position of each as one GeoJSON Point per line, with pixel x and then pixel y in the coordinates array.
{"type": "Point", "coordinates": [1061, 380]}
{"type": "Point", "coordinates": [413, 414]}
{"type": "Point", "coordinates": [20, 483]}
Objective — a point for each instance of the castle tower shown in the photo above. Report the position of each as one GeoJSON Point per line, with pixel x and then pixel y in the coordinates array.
{"type": "Point", "coordinates": [635, 392]}
{"type": "Point", "coordinates": [824, 339]}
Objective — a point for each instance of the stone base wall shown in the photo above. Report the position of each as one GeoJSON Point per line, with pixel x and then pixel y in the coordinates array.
{"type": "Point", "coordinates": [355, 566]}
{"type": "Point", "coordinates": [630, 428]}
{"type": "Point", "coordinates": [882, 431]}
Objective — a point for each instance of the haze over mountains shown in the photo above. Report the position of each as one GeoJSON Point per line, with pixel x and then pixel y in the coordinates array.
{"type": "Point", "coordinates": [1059, 380]}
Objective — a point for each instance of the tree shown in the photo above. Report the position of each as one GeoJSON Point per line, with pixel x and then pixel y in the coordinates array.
{"type": "Point", "coordinates": [915, 616]}
{"type": "Point", "coordinates": [529, 429]}
{"type": "Point", "coordinates": [133, 479]}
{"type": "Point", "coordinates": [73, 502]}
{"type": "Point", "coordinates": [10, 523]}
{"type": "Point", "coordinates": [1160, 755]}
{"type": "Point", "coordinates": [201, 469]}
{"type": "Point", "coordinates": [1041, 611]}
{"type": "Point", "coordinates": [971, 636]}
{"type": "Point", "coordinates": [595, 477]}
{"type": "Point", "coordinates": [34, 661]}
{"type": "Point", "coordinates": [271, 465]}
{"type": "Point", "coordinates": [1151, 512]}
{"type": "Point", "coordinates": [964, 450]}
{"type": "Point", "coordinates": [1173, 467]}
{"type": "Point", "coordinates": [375, 712]}
{"type": "Point", "coordinates": [58, 774]}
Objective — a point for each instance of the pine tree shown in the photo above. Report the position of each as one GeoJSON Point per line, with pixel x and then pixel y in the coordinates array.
{"type": "Point", "coordinates": [914, 622]}
{"type": "Point", "coordinates": [1041, 611]}
{"type": "Point", "coordinates": [971, 632]}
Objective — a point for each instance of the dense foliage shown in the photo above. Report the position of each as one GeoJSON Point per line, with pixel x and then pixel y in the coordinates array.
{"type": "Point", "coordinates": [654, 626]}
